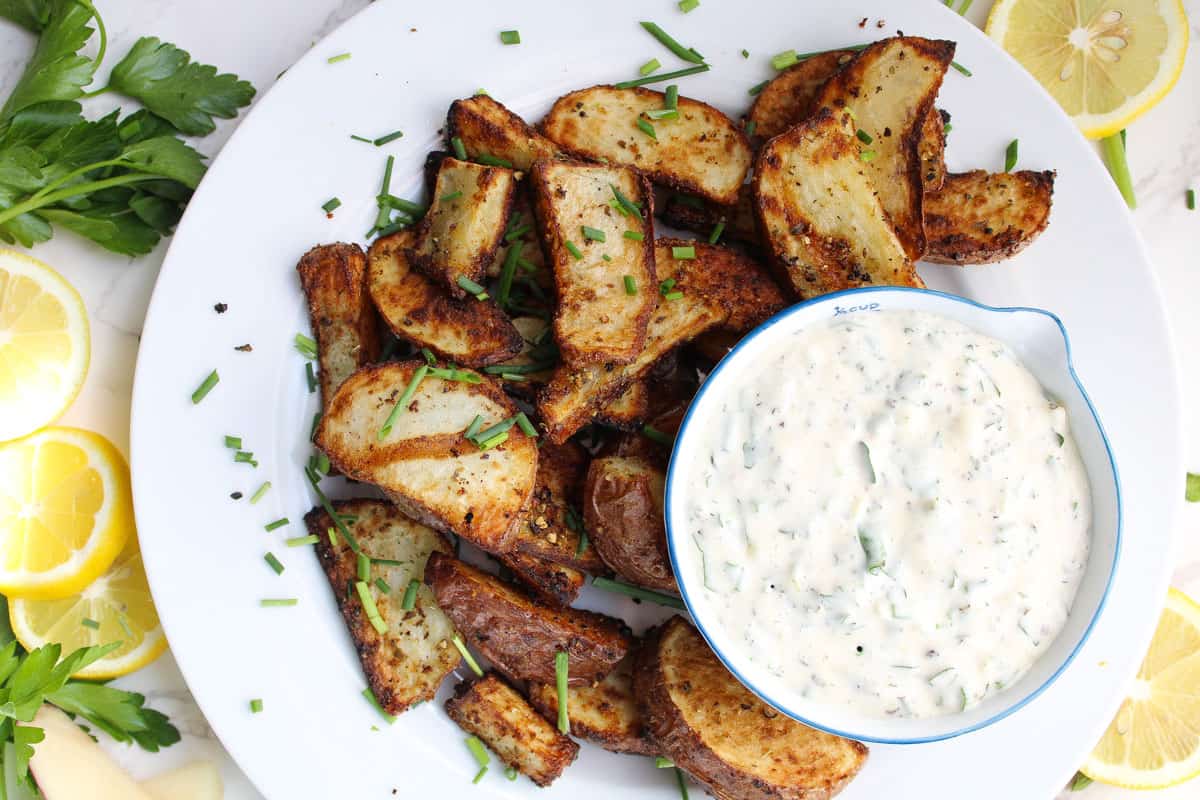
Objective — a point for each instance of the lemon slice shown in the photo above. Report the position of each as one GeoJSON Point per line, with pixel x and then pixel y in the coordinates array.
{"type": "Point", "coordinates": [44, 344]}
{"type": "Point", "coordinates": [1105, 61]}
{"type": "Point", "coordinates": [1154, 741]}
{"type": "Point", "coordinates": [65, 511]}
{"type": "Point", "coordinates": [116, 607]}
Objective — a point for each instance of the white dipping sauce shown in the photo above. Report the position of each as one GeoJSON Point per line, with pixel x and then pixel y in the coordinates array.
{"type": "Point", "coordinates": [890, 513]}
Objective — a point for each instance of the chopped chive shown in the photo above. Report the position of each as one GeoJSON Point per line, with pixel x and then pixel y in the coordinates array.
{"type": "Point", "coordinates": [717, 230]}
{"type": "Point", "coordinates": [388, 230]}
{"type": "Point", "coordinates": [358, 138]}
{"type": "Point", "coordinates": [650, 66]}
{"type": "Point", "coordinates": [321, 465]}
{"type": "Point", "coordinates": [368, 604]}
{"type": "Point", "coordinates": [259, 492]}
{"type": "Point", "coordinates": [383, 218]}
{"type": "Point", "coordinates": [374, 701]}
{"type": "Point", "coordinates": [278, 602]}
{"type": "Point", "coordinates": [1191, 491]}
{"type": "Point", "coordinates": [526, 265]}
{"type": "Point", "coordinates": [606, 256]}
{"type": "Point", "coordinates": [387, 137]}
{"type": "Point", "coordinates": [507, 272]}
{"type": "Point", "coordinates": [573, 250]}
{"type": "Point", "coordinates": [273, 563]}
{"type": "Point", "coordinates": [655, 435]}
{"type": "Point", "coordinates": [478, 751]}
{"type": "Point", "coordinates": [363, 567]}
{"type": "Point", "coordinates": [474, 427]}
{"type": "Point", "coordinates": [306, 345]}
{"type": "Point", "coordinates": [495, 430]}
{"type": "Point", "coordinates": [1113, 150]}
{"type": "Point", "coordinates": [466, 654]}
{"type": "Point", "coordinates": [663, 113]}
{"type": "Point", "coordinates": [758, 87]}
{"type": "Point", "coordinates": [687, 253]}
{"type": "Point", "coordinates": [243, 457]}
{"type": "Point", "coordinates": [745, 53]}
{"type": "Point", "coordinates": [1010, 155]}
{"type": "Point", "coordinates": [671, 97]}
{"type": "Point", "coordinates": [405, 206]}
{"type": "Point", "coordinates": [511, 773]}
{"type": "Point", "coordinates": [479, 775]}
{"type": "Point", "coordinates": [1190, 197]}
{"type": "Point", "coordinates": [495, 441]}
{"type": "Point", "coordinates": [446, 198]}
{"type": "Point", "coordinates": [460, 151]}
{"type": "Point", "coordinates": [687, 6]}
{"type": "Point", "coordinates": [630, 285]}
{"type": "Point", "coordinates": [961, 68]}
{"type": "Point", "coordinates": [636, 592]}
{"type": "Point", "coordinates": [663, 763]}
{"type": "Point", "coordinates": [518, 369]}
{"type": "Point", "coordinates": [204, 388]}
{"type": "Point", "coordinates": [646, 128]}
{"type": "Point", "coordinates": [338, 520]}
{"type": "Point", "coordinates": [410, 595]}
{"type": "Point", "coordinates": [333, 537]}
{"type": "Point", "coordinates": [469, 286]}
{"type": "Point", "coordinates": [233, 442]}
{"type": "Point", "coordinates": [583, 542]}
{"type": "Point", "coordinates": [673, 296]}
{"type": "Point", "coordinates": [329, 205]}
{"type": "Point", "coordinates": [592, 234]}
{"type": "Point", "coordinates": [256, 706]}
{"type": "Point", "coordinates": [510, 37]}
{"type": "Point", "coordinates": [383, 586]}
{"type": "Point", "coordinates": [634, 235]}
{"type": "Point", "coordinates": [310, 377]}
{"type": "Point", "coordinates": [513, 376]}
{"type": "Point", "coordinates": [663, 76]}
{"type": "Point", "coordinates": [947, 128]}
{"type": "Point", "coordinates": [403, 402]}
{"type": "Point", "coordinates": [301, 541]}
{"type": "Point", "coordinates": [337, 58]}
{"type": "Point", "coordinates": [492, 161]}
{"type": "Point", "coordinates": [525, 425]}
{"type": "Point", "coordinates": [867, 155]}
{"type": "Point", "coordinates": [279, 523]}
{"type": "Point", "coordinates": [88, 622]}
{"type": "Point", "coordinates": [686, 53]}
{"type": "Point", "coordinates": [517, 233]}
{"type": "Point", "coordinates": [666, 286]}
{"type": "Point", "coordinates": [863, 136]}
{"type": "Point", "coordinates": [751, 127]}
{"type": "Point", "coordinates": [560, 681]}
{"type": "Point", "coordinates": [683, 792]}
{"type": "Point", "coordinates": [784, 60]}
{"type": "Point", "coordinates": [625, 203]}
{"type": "Point", "coordinates": [429, 357]}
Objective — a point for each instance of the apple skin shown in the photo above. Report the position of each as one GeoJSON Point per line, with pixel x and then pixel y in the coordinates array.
{"type": "Point", "coordinates": [199, 780]}
{"type": "Point", "coordinates": [68, 765]}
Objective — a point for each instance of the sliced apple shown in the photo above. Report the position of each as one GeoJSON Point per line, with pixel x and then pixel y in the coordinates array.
{"type": "Point", "coordinates": [199, 780]}
{"type": "Point", "coordinates": [68, 765]}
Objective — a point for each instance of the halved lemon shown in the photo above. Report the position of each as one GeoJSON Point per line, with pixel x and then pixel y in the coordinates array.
{"type": "Point", "coordinates": [1154, 741]}
{"type": "Point", "coordinates": [1105, 61]}
{"type": "Point", "coordinates": [116, 607]}
{"type": "Point", "coordinates": [44, 344]}
{"type": "Point", "coordinates": [66, 511]}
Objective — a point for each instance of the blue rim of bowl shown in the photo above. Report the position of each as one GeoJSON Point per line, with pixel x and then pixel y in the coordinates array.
{"type": "Point", "coordinates": [772, 322]}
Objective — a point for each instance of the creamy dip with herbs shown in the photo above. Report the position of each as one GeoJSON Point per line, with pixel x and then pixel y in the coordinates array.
{"type": "Point", "coordinates": [890, 514]}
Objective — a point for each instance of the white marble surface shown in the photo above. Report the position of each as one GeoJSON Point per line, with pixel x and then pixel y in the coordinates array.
{"type": "Point", "coordinates": [260, 38]}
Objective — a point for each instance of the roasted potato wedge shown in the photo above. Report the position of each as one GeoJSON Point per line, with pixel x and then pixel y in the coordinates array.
{"type": "Point", "coordinates": [891, 86]}
{"type": "Point", "coordinates": [596, 320]}
{"type": "Point", "coordinates": [726, 738]}
{"type": "Point", "coordinates": [405, 665]}
{"type": "Point", "coordinates": [424, 464]}
{"type": "Point", "coordinates": [819, 212]}
{"type": "Point", "coordinates": [702, 216]}
{"type": "Point", "coordinates": [550, 529]}
{"type": "Point", "coordinates": [487, 128]}
{"type": "Point", "coordinates": [741, 285]}
{"type": "Point", "coordinates": [630, 408]}
{"type": "Point", "coordinates": [465, 223]}
{"type": "Point", "coordinates": [521, 635]}
{"type": "Point", "coordinates": [789, 97]}
{"type": "Point", "coordinates": [623, 509]}
{"type": "Point", "coordinates": [702, 152]}
{"type": "Point", "coordinates": [344, 323]}
{"type": "Point", "coordinates": [979, 217]}
{"type": "Point", "coordinates": [557, 584]}
{"type": "Point", "coordinates": [605, 713]}
{"type": "Point", "coordinates": [932, 151]}
{"type": "Point", "coordinates": [504, 720]}
{"type": "Point", "coordinates": [463, 331]}
{"type": "Point", "coordinates": [523, 232]}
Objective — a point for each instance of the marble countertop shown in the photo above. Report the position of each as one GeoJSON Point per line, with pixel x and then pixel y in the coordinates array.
{"type": "Point", "coordinates": [258, 40]}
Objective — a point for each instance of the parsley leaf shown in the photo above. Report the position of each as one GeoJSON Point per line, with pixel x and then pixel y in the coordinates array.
{"type": "Point", "coordinates": [168, 157]}
{"type": "Point", "coordinates": [29, 14]}
{"type": "Point", "coordinates": [186, 94]}
{"type": "Point", "coordinates": [56, 71]}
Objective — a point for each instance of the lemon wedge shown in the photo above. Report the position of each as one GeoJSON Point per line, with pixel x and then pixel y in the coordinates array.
{"type": "Point", "coordinates": [1154, 741]}
{"type": "Point", "coordinates": [44, 344]}
{"type": "Point", "coordinates": [116, 607]}
{"type": "Point", "coordinates": [1106, 62]}
{"type": "Point", "coordinates": [66, 511]}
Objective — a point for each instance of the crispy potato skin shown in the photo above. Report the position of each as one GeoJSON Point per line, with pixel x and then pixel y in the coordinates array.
{"type": "Point", "coordinates": [504, 720]}
{"type": "Point", "coordinates": [819, 212]}
{"type": "Point", "coordinates": [334, 279]}
{"type": "Point", "coordinates": [464, 331]}
{"type": "Point", "coordinates": [596, 321]}
{"type": "Point", "coordinates": [980, 217]}
{"type": "Point", "coordinates": [891, 85]}
{"type": "Point", "coordinates": [557, 584]}
{"type": "Point", "coordinates": [521, 635]}
{"type": "Point", "coordinates": [700, 216]}
{"type": "Point", "coordinates": [605, 713]}
{"type": "Point", "coordinates": [486, 127]}
{"type": "Point", "coordinates": [790, 96]}
{"type": "Point", "coordinates": [702, 152]}
{"type": "Point", "coordinates": [726, 738]}
{"type": "Point", "coordinates": [738, 283]}
{"type": "Point", "coordinates": [406, 665]}
{"type": "Point", "coordinates": [932, 151]}
{"type": "Point", "coordinates": [458, 237]}
{"type": "Point", "coordinates": [545, 531]}
{"type": "Point", "coordinates": [623, 507]}
{"type": "Point", "coordinates": [424, 465]}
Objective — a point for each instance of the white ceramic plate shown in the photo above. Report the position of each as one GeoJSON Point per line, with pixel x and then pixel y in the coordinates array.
{"type": "Point", "coordinates": [259, 210]}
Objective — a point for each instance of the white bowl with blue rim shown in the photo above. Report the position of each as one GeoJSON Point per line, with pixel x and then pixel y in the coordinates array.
{"type": "Point", "coordinates": [1040, 341]}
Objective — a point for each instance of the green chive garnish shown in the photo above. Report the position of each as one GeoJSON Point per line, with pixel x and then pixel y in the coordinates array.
{"type": "Point", "coordinates": [650, 66]}
{"type": "Point", "coordinates": [784, 60]}
{"type": "Point", "coordinates": [367, 693]}
{"type": "Point", "coordinates": [646, 128]}
{"type": "Point", "coordinates": [717, 230]}
{"type": "Point", "coordinates": [256, 706]}
{"type": "Point", "coordinates": [446, 198]}
{"type": "Point", "coordinates": [279, 523]}
{"type": "Point", "coordinates": [369, 607]}
{"type": "Point", "coordinates": [518, 369]}
{"type": "Point", "coordinates": [204, 388]}
{"type": "Point", "coordinates": [329, 205]}
{"type": "Point", "coordinates": [961, 68]}
{"type": "Point", "coordinates": [560, 681]}
{"type": "Point", "coordinates": [663, 763]}
{"type": "Point", "coordinates": [510, 37]}
{"type": "Point", "coordinates": [663, 76]}
{"type": "Point", "coordinates": [573, 250]}
{"type": "Point", "coordinates": [745, 53]}
{"type": "Point", "coordinates": [278, 602]}
{"type": "Point", "coordinates": [301, 541]}
{"type": "Point", "coordinates": [634, 235]}
{"type": "Point", "coordinates": [471, 287]}
{"type": "Point", "coordinates": [358, 138]}
{"type": "Point", "coordinates": [606, 256]}
{"type": "Point", "coordinates": [410, 595]}
{"type": "Point", "coordinates": [495, 441]}
{"type": "Point", "coordinates": [466, 654]}
{"type": "Point", "coordinates": [687, 253]}
{"type": "Point", "coordinates": [671, 97]}
{"type": "Point", "coordinates": [310, 377]}
{"type": "Point", "coordinates": [965, 7]}
{"type": "Point", "coordinates": [637, 592]}
{"type": "Point", "coordinates": [492, 161]}
{"type": "Point", "coordinates": [479, 775]}
{"type": "Point", "coordinates": [337, 58]}
{"type": "Point", "coordinates": [683, 792]}
{"type": "Point", "coordinates": [1190, 196]}
{"type": "Point", "coordinates": [687, 6]}
{"type": "Point", "coordinates": [474, 427]}
{"type": "Point", "coordinates": [662, 113]}
{"type": "Point", "coordinates": [507, 272]}
{"type": "Point", "coordinates": [625, 203]}
{"type": "Point", "coordinates": [460, 152]}
{"type": "Point", "coordinates": [525, 425]}
{"type": "Point", "coordinates": [517, 233]}
{"type": "Point", "coordinates": [363, 565]}
{"type": "Point", "coordinates": [511, 773]}
{"type": "Point", "coordinates": [867, 155]}
{"type": "Point", "coordinates": [751, 127]}
{"type": "Point", "coordinates": [654, 434]}
{"type": "Point", "coordinates": [387, 137]}
{"type": "Point", "coordinates": [863, 136]}
{"type": "Point", "coordinates": [273, 563]}
{"type": "Point", "coordinates": [259, 492]}
{"type": "Point", "coordinates": [686, 53]}
{"type": "Point", "coordinates": [306, 345]}
{"type": "Point", "coordinates": [243, 457]}
{"type": "Point", "coordinates": [666, 286]}
{"type": "Point", "coordinates": [403, 402]}
{"type": "Point", "coordinates": [87, 622]}
{"type": "Point", "coordinates": [497, 429]}
{"type": "Point", "coordinates": [478, 751]}
{"type": "Point", "coordinates": [592, 234]}
{"type": "Point", "coordinates": [1113, 150]}
{"type": "Point", "coordinates": [630, 285]}
{"type": "Point", "coordinates": [583, 542]}
{"type": "Point", "coordinates": [1010, 156]}
{"type": "Point", "coordinates": [1191, 492]}
{"type": "Point", "coordinates": [673, 296]}
{"type": "Point", "coordinates": [321, 463]}
{"type": "Point", "coordinates": [947, 128]}
{"type": "Point", "coordinates": [758, 87]}
{"type": "Point", "coordinates": [233, 442]}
